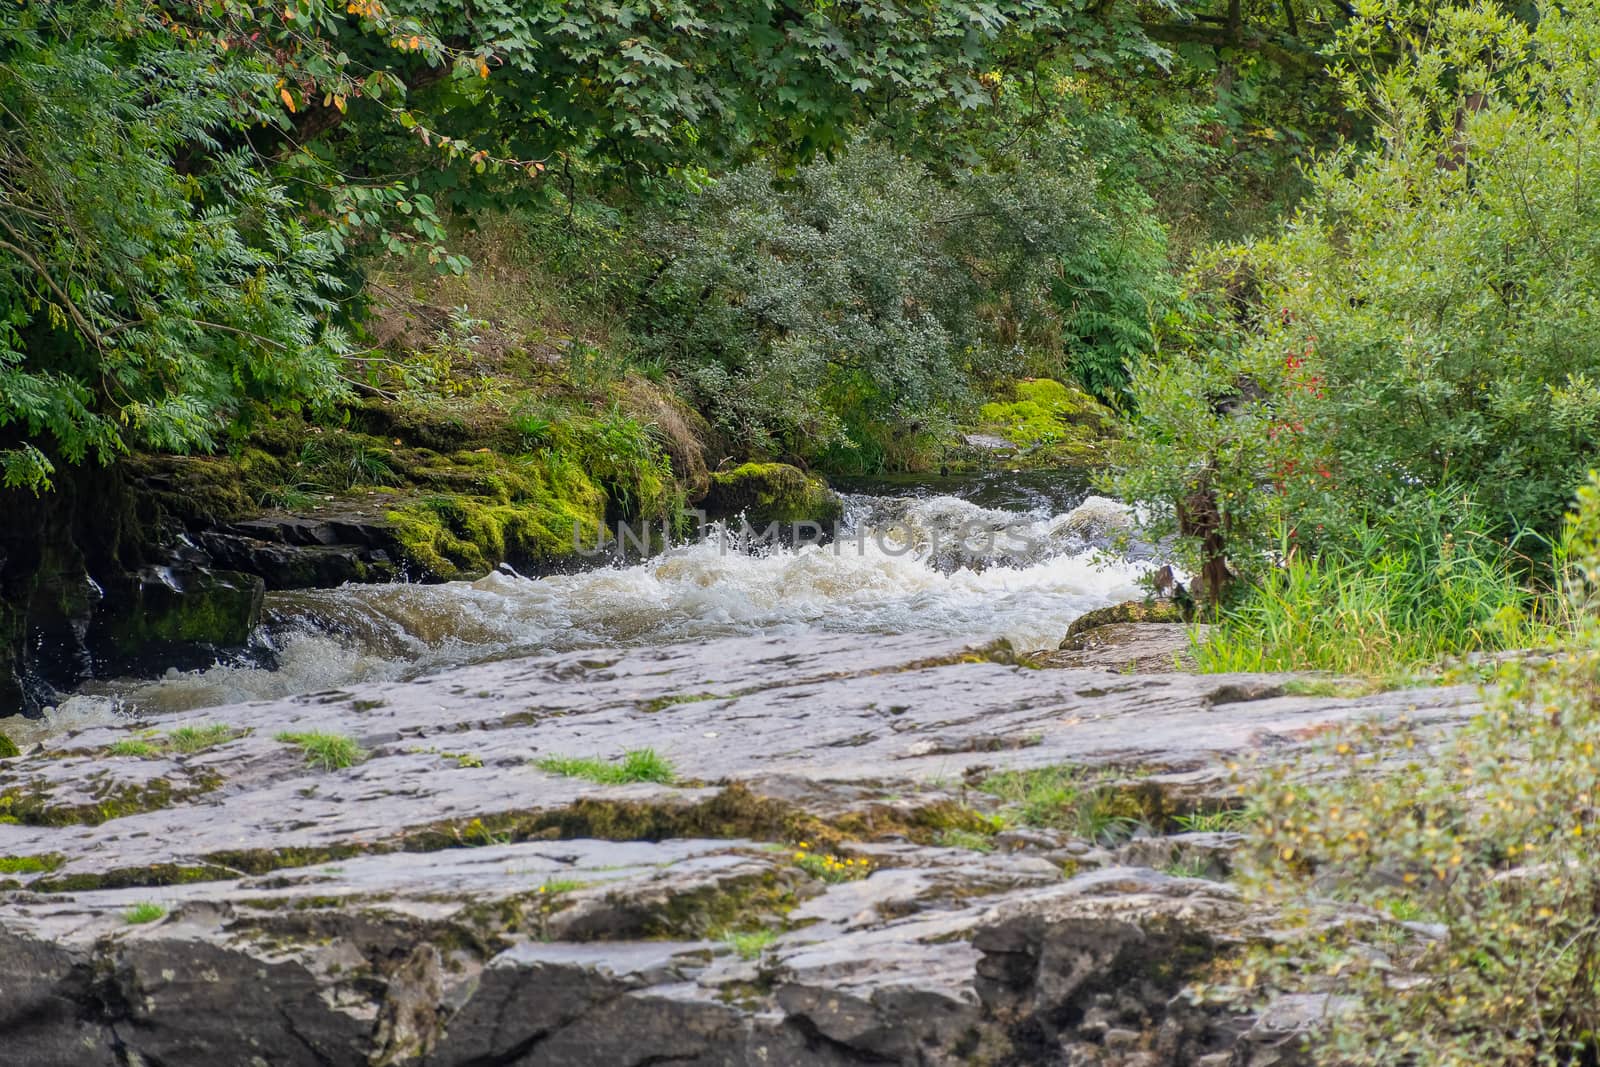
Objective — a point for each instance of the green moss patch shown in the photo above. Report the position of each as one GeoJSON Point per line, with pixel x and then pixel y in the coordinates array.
{"type": "Point", "coordinates": [1054, 422]}
{"type": "Point", "coordinates": [30, 864]}
{"type": "Point", "coordinates": [772, 492]}
{"type": "Point", "coordinates": [517, 509]}
{"type": "Point", "coordinates": [112, 800]}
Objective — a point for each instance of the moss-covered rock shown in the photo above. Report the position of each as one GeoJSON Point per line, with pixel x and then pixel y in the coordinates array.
{"type": "Point", "coordinates": [772, 492]}
{"type": "Point", "coordinates": [190, 489]}
{"type": "Point", "coordinates": [1053, 424]}
{"type": "Point", "coordinates": [1160, 609]}
{"type": "Point", "coordinates": [522, 510]}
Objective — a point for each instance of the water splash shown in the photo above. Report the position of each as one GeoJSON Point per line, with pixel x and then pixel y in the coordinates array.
{"type": "Point", "coordinates": [937, 564]}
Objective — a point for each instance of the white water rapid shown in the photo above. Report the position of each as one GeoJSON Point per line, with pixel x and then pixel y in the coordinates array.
{"type": "Point", "coordinates": [936, 563]}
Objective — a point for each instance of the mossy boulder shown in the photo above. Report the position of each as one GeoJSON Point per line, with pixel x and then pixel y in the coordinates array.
{"type": "Point", "coordinates": [528, 511]}
{"type": "Point", "coordinates": [772, 492]}
{"type": "Point", "coordinates": [192, 489]}
{"type": "Point", "coordinates": [1156, 610]}
{"type": "Point", "coordinates": [1051, 423]}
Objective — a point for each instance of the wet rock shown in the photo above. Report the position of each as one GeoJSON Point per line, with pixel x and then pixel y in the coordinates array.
{"type": "Point", "coordinates": [299, 552]}
{"type": "Point", "coordinates": [772, 493]}
{"type": "Point", "coordinates": [85, 592]}
{"type": "Point", "coordinates": [1145, 647]}
{"type": "Point", "coordinates": [177, 616]}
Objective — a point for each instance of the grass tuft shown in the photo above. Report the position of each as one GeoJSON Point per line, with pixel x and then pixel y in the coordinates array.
{"type": "Point", "coordinates": [748, 944]}
{"type": "Point", "coordinates": [144, 912]}
{"type": "Point", "coordinates": [1212, 822]}
{"type": "Point", "coordinates": [191, 739]}
{"type": "Point", "coordinates": [183, 741]}
{"type": "Point", "coordinates": [640, 765]}
{"type": "Point", "coordinates": [328, 752]}
{"type": "Point", "coordinates": [1067, 798]}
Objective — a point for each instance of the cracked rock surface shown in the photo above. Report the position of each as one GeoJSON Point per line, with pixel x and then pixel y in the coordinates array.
{"type": "Point", "coordinates": [827, 880]}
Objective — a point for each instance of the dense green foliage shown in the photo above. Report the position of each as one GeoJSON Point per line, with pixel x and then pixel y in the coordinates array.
{"type": "Point", "coordinates": [865, 300]}
{"type": "Point", "coordinates": [1394, 602]}
{"type": "Point", "coordinates": [141, 300]}
{"type": "Point", "coordinates": [1422, 331]}
{"type": "Point", "coordinates": [189, 193]}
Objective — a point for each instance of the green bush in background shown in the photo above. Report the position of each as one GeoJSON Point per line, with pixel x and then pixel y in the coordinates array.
{"type": "Point", "coordinates": [1425, 326]}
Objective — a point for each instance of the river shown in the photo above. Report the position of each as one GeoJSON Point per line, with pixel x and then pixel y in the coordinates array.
{"type": "Point", "coordinates": [1017, 556]}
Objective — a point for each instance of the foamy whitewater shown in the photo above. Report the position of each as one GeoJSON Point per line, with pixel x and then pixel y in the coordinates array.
{"type": "Point", "coordinates": [898, 565]}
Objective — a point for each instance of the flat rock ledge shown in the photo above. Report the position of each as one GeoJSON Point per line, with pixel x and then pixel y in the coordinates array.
{"type": "Point", "coordinates": [448, 902]}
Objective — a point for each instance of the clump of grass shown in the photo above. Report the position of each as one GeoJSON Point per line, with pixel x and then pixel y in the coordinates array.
{"type": "Point", "coordinates": [831, 868]}
{"type": "Point", "coordinates": [183, 741]}
{"type": "Point", "coordinates": [558, 886]}
{"type": "Point", "coordinates": [1187, 869]}
{"type": "Point", "coordinates": [144, 912]}
{"type": "Point", "coordinates": [30, 864]}
{"type": "Point", "coordinates": [1388, 608]}
{"type": "Point", "coordinates": [1232, 820]}
{"type": "Point", "coordinates": [190, 739]}
{"type": "Point", "coordinates": [748, 944]}
{"type": "Point", "coordinates": [640, 765]}
{"type": "Point", "coordinates": [1067, 798]}
{"type": "Point", "coordinates": [328, 752]}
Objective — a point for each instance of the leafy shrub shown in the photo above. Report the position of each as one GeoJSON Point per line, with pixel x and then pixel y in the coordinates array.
{"type": "Point", "coordinates": [1109, 291]}
{"type": "Point", "coordinates": [1447, 884]}
{"type": "Point", "coordinates": [861, 302]}
{"type": "Point", "coordinates": [1426, 322]}
{"type": "Point", "coordinates": [141, 303]}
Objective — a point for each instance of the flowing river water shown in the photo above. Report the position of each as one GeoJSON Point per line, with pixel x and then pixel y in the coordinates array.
{"type": "Point", "coordinates": [1017, 556]}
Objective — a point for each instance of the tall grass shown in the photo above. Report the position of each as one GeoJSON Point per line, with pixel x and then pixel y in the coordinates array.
{"type": "Point", "coordinates": [1390, 605]}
